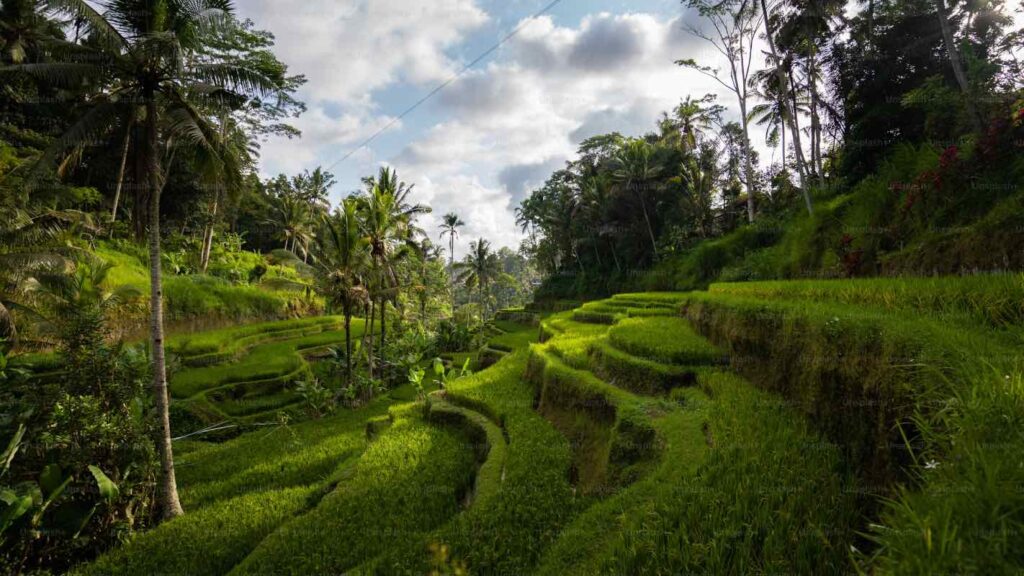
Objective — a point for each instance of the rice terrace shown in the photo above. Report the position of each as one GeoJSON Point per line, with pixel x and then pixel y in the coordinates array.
{"type": "Point", "coordinates": [471, 287]}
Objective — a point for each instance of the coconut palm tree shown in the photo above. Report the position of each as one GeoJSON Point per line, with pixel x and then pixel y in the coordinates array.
{"type": "Point", "coordinates": [291, 215]}
{"type": "Point", "coordinates": [148, 52]}
{"type": "Point", "coordinates": [341, 261]}
{"type": "Point", "coordinates": [478, 269]}
{"type": "Point", "coordinates": [388, 220]}
{"type": "Point", "coordinates": [450, 228]}
{"type": "Point", "coordinates": [634, 168]}
{"type": "Point", "coordinates": [23, 27]}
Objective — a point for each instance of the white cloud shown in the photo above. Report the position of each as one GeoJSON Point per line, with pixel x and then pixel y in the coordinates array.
{"type": "Point", "coordinates": [521, 117]}
{"type": "Point", "coordinates": [500, 129]}
{"type": "Point", "coordinates": [349, 49]}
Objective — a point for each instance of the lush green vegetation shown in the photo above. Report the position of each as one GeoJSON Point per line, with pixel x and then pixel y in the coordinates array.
{"type": "Point", "coordinates": [730, 366]}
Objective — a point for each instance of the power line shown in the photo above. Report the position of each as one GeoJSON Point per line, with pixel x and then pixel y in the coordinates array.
{"type": "Point", "coordinates": [448, 82]}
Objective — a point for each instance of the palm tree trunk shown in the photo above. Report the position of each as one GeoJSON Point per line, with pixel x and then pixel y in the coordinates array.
{"type": "Point", "coordinates": [120, 173]}
{"type": "Point", "coordinates": [451, 247]}
{"type": "Point", "coordinates": [784, 86]}
{"type": "Point", "coordinates": [784, 147]}
{"type": "Point", "coordinates": [348, 346]}
{"type": "Point", "coordinates": [204, 259]}
{"type": "Point", "coordinates": [647, 220]}
{"type": "Point", "coordinates": [958, 68]}
{"type": "Point", "coordinates": [812, 85]}
{"type": "Point", "coordinates": [169, 488]}
{"type": "Point", "coordinates": [369, 336]}
{"type": "Point", "coordinates": [748, 161]}
{"type": "Point", "coordinates": [383, 327]}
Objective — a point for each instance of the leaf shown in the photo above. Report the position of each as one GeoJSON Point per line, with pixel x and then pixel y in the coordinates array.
{"type": "Point", "coordinates": [16, 508]}
{"type": "Point", "coordinates": [50, 479]}
{"type": "Point", "coordinates": [108, 489]}
{"type": "Point", "coordinates": [12, 449]}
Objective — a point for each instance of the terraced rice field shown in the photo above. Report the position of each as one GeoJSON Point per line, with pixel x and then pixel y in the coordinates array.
{"type": "Point", "coordinates": [743, 430]}
{"type": "Point", "coordinates": [246, 373]}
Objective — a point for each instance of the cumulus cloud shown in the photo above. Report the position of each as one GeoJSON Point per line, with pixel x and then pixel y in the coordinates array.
{"type": "Point", "coordinates": [349, 49]}
{"type": "Point", "coordinates": [501, 129]}
{"type": "Point", "coordinates": [520, 118]}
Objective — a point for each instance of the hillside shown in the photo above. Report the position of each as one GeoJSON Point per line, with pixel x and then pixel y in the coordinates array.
{"type": "Point", "coordinates": [758, 427]}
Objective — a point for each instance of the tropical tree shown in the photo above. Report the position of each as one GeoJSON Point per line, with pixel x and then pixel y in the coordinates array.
{"type": "Point", "coordinates": [736, 24]}
{"type": "Point", "coordinates": [342, 262]}
{"type": "Point", "coordinates": [388, 220]}
{"type": "Point", "coordinates": [634, 168]}
{"type": "Point", "coordinates": [23, 27]}
{"type": "Point", "coordinates": [291, 216]}
{"type": "Point", "coordinates": [450, 228]}
{"type": "Point", "coordinates": [478, 270]}
{"type": "Point", "coordinates": [143, 51]}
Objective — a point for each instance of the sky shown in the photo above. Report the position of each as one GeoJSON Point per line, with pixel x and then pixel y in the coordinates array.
{"type": "Point", "coordinates": [479, 146]}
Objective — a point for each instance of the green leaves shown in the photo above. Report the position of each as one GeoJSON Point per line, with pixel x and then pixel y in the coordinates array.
{"type": "Point", "coordinates": [16, 507]}
{"type": "Point", "coordinates": [108, 490]}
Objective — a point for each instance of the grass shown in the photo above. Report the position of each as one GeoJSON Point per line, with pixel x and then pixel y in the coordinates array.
{"type": "Point", "coordinates": [230, 341]}
{"type": "Point", "coordinates": [769, 497]}
{"type": "Point", "coordinates": [508, 533]}
{"type": "Point", "coordinates": [878, 432]}
{"type": "Point", "coordinates": [199, 297]}
{"type": "Point", "coordinates": [274, 361]}
{"type": "Point", "coordinates": [923, 408]}
{"type": "Point", "coordinates": [485, 436]}
{"type": "Point", "coordinates": [281, 457]}
{"type": "Point", "coordinates": [669, 340]}
{"type": "Point", "coordinates": [238, 492]}
{"type": "Point", "coordinates": [209, 541]}
{"type": "Point", "coordinates": [409, 481]}
{"type": "Point", "coordinates": [641, 375]}
{"type": "Point", "coordinates": [995, 300]}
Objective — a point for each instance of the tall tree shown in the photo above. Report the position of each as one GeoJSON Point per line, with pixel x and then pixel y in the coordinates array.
{"type": "Point", "coordinates": [735, 24]}
{"type": "Point", "coordinates": [782, 92]}
{"type": "Point", "coordinates": [342, 261]}
{"type": "Point", "coordinates": [953, 53]}
{"type": "Point", "coordinates": [635, 169]}
{"type": "Point", "coordinates": [450, 228]}
{"type": "Point", "coordinates": [478, 270]}
{"type": "Point", "coordinates": [388, 218]}
{"type": "Point", "coordinates": [142, 51]}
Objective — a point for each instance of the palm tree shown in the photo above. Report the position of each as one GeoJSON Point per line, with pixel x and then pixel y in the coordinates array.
{"type": "Point", "coordinates": [450, 227]}
{"type": "Point", "coordinates": [23, 26]}
{"type": "Point", "coordinates": [78, 294]}
{"type": "Point", "coordinates": [479, 268]}
{"type": "Point", "coordinates": [593, 207]}
{"type": "Point", "coordinates": [388, 220]}
{"type": "Point", "coordinates": [32, 245]}
{"type": "Point", "coordinates": [143, 51]}
{"type": "Point", "coordinates": [238, 151]}
{"type": "Point", "coordinates": [291, 215]}
{"type": "Point", "coordinates": [341, 262]}
{"type": "Point", "coordinates": [634, 168]}
{"type": "Point", "coordinates": [697, 177]}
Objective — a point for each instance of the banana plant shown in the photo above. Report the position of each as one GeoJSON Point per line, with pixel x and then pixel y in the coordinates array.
{"type": "Point", "coordinates": [446, 376]}
{"type": "Point", "coordinates": [29, 501]}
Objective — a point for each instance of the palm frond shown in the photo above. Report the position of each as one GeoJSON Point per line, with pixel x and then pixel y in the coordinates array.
{"type": "Point", "coordinates": [94, 21]}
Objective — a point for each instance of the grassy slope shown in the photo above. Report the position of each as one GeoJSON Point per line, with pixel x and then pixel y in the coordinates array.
{"type": "Point", "coordinates": [201, 298]}
{"type": "Point", "coordinates": [917, 381]}
{"type": "Point", "coordinates": [713, 477]}
{"type": "Point", "coordinates": [729, 489]}
{"type": "Point", "coordinates": [264, 500]}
